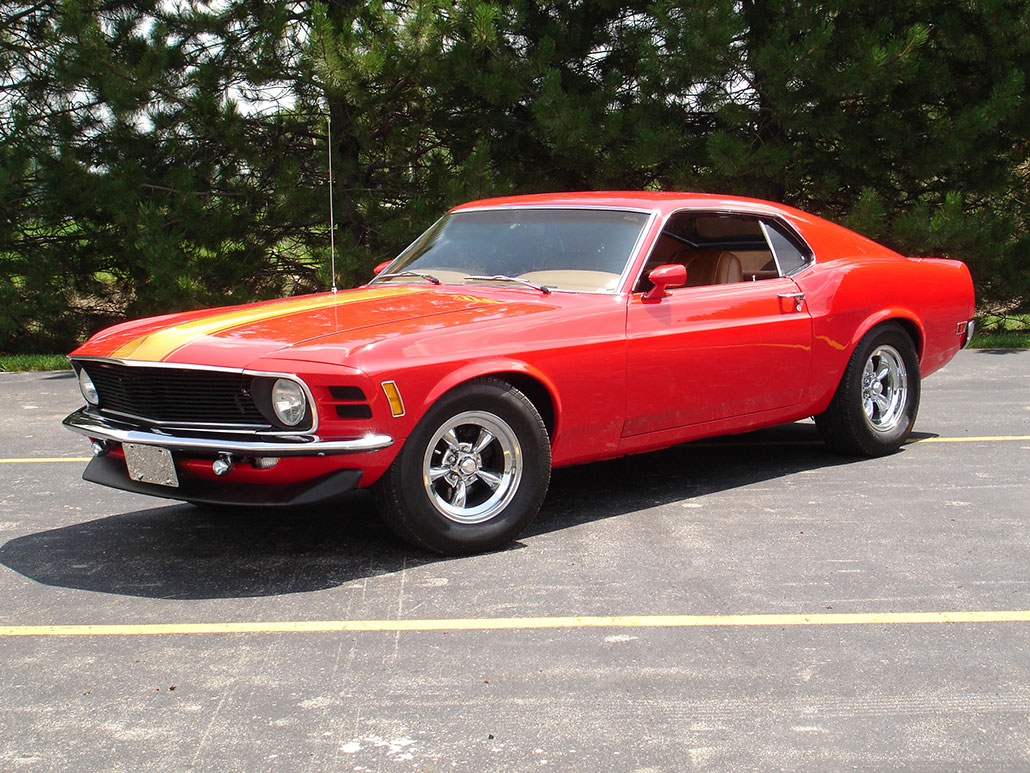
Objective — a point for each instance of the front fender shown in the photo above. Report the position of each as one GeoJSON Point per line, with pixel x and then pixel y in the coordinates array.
{"type": "Point", "coordinates": [498, 368]}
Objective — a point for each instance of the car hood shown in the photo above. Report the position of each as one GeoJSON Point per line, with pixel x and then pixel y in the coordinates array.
{"type": "Point", "coordinates": [234, 337]}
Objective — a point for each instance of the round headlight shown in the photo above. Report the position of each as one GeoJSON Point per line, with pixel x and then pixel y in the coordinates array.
{"type": "Point", "coordinates": [288, 402]}
{"type": "Point", "coordinates": [86, 387]}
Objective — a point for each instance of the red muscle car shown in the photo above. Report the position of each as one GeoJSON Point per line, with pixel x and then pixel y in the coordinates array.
{"type": "Point", "coordinates": [517, 335]}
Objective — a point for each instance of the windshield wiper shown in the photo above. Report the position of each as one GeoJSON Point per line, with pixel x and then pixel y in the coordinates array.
{"type": "Point", "coordinates": [505, 278]}
{"type": "Point", "coordinates": [419, 274]}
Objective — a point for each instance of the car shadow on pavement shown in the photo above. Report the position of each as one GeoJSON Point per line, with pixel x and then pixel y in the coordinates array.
{"type": "Point", "coordinates": [681, 473]}
{"type": "Point", "coordinates": [180, 551]}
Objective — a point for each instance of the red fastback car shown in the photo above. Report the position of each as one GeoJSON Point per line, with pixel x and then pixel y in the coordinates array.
{"type": "Point", "coordinates": [517, 335]}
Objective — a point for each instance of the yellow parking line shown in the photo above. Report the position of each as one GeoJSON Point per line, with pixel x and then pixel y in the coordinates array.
{"type": "Point", "coordinates": [704, 444]}
{"type": "Point", "coordinates": [910, 441]}
{"type": "Point", "coordinates": [41, 459]}
{"type": "Point", "coordinates": [985, 439]}
{"type": "Point", "coordinates": [521, 623]}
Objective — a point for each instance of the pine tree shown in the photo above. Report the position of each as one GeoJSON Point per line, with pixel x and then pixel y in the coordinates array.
{"type": "Point", "coordinates": [162, 156]}
{"type": "Point", "coordinates": [131, 182]}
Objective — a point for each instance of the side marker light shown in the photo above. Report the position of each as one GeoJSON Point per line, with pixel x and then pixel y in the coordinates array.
{"type": "Point", "coordinates": [393, 394]}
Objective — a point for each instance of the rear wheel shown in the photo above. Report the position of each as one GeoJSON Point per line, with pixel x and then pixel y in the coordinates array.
{"type": "Point", "coordinates": [473, 473]}
{"type": "Point", "coordinates": [875, 405]}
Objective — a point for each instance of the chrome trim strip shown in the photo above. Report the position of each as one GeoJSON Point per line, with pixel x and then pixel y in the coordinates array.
{"type": "Point", "coordinates": [218, 369]}
{"type": "Point", "coordinates": [311, 445]}
{"type": "Point", "coordinates": [153, 363]}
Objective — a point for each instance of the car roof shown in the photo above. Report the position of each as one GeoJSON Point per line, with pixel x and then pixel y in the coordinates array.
{"type": "Point", "coordinates": [823, 236]}
{"type": "Point", "coordinates": [663, 201]}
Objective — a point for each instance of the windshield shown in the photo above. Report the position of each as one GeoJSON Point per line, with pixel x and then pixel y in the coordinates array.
{"type": "Point", "coordinates": [561, 249]}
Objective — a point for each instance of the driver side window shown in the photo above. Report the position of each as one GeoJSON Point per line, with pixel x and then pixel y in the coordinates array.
{"type": "Point", "coordinates": [723, 249]}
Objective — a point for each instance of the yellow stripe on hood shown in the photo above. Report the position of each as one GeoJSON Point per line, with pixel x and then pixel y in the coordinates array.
{"type": "Point", "coordinates": [154, 347]}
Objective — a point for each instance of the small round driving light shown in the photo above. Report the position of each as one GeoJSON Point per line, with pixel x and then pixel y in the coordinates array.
{"type": "Point", "coordinates": [86, 387]}
{"type": "Point", "coordinates": [288, 402]}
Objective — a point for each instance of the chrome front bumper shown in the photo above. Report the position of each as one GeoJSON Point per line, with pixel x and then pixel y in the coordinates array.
{"type": "Point", "coordinates": [100, 428]}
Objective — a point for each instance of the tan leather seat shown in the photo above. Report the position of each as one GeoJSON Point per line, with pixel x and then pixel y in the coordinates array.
{"type": "Point", "coordinates": [678, 254]}
{"type": "Point", "coordinates": [704, 267]}
{"type": "Point", "coordinates": [728, 269]}
{"type": "Point", "coordinates": [712, 267]}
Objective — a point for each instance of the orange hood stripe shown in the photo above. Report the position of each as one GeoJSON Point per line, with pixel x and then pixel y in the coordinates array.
{"type": "Point", "coordinates": [158, 345]}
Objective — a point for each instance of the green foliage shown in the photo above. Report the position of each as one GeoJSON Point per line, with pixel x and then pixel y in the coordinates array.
{"type": "Point", "coordinates": [161, 156]}
{"type": "Point", "coordinates": [994, 331]}
{"type": "Point", "coordinates": [23, 362]}
{"type": "Point", "coordinates": [130, 181]}
{"type": "Point", "coordinates": [1002, 339]}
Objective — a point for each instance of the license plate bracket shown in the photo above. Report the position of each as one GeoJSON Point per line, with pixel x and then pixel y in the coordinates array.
{"type": "Point", "coordinates": [150, 464]}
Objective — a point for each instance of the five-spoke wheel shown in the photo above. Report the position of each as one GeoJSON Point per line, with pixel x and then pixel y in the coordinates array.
{"type": "Point", "coordinates": [884, 388]}
{"type": "Point", "coordinates": [874, 407]}
{"type": "Point", "coordinates": [472, 467]}
{"type": "Point", "coordinates": [473, 473]}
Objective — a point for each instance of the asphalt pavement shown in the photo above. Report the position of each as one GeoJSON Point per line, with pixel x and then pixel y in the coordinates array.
{"type": "Point", "coordinates": [746, 603]}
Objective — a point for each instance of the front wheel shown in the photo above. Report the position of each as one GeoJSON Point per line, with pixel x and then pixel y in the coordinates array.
{"type": "Point", "coordinates": [875, 405]}
{"type": "Point", "coordinates": [473, 473]}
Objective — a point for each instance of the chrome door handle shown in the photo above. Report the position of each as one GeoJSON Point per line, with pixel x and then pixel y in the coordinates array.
{"type": "Point", "coordinates": [797, 298]}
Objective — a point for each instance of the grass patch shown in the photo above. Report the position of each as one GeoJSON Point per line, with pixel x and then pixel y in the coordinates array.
{"type": "Point", "coordinates": [13, 362]}
{"type": "Point", "coordinates": [1001, 339]}
{"type": "Point", "coordinates": [1002, 331]}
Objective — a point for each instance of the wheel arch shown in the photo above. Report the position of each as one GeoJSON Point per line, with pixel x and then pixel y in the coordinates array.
{"type": "Point", "coordinates": [908, 321]}
{"type": "Point", "coordinates": [847, 423]}
{"type": "Point", "coordinates": [539, 389]}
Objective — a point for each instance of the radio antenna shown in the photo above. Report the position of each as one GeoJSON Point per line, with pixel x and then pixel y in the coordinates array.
{"type": "Point", "coordinates": [332, 225]}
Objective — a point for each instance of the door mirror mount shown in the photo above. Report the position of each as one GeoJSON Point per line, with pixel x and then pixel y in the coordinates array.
{"type": "Point", "coordinates": [669, 275]}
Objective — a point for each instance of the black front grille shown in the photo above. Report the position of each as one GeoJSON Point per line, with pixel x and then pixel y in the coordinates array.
{"type": "Point", "coordinates": [175, 395]}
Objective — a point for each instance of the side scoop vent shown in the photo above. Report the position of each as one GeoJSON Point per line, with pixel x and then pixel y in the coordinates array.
{"type": "Point", "coordinates": [351, 402]}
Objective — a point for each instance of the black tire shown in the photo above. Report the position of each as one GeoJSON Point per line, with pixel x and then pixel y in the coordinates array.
{"type": "Point", "coordinates": [875, 405]}
{"type": "Point", "coordinates": [440, 495]}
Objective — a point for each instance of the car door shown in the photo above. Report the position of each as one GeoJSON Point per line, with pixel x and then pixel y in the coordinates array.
{"type": "Point", "coordinates": [713, 352]}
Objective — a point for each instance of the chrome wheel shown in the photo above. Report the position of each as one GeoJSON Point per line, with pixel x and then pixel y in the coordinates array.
{"type": "Point", "coordinates": [473, 472]}
{"type": "Point", "coordinates": [884, 388]}
{"type": "Point", "coordinates": [875, 405]}
{"type": "Point", "coordinates": [472, 467]}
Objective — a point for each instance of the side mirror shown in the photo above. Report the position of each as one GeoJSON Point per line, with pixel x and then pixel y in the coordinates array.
{"type": "Point", "coordinates": [669, 275]}
{"type": "Point", "coordinates": [381, 267]}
